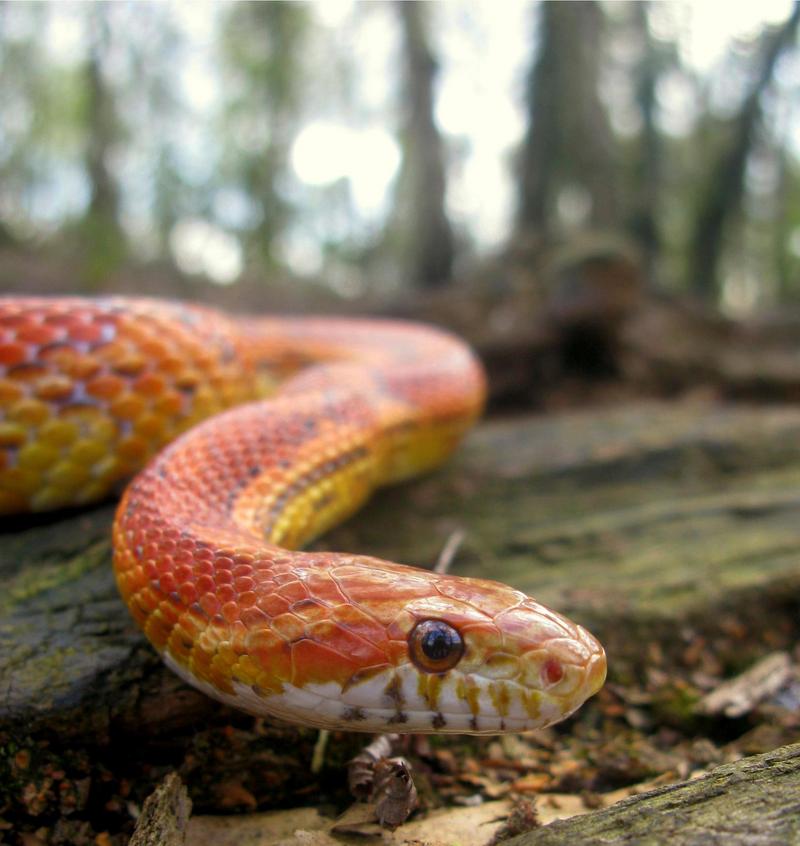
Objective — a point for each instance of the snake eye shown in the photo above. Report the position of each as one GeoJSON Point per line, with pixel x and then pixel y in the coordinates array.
{"type": "Point", "coordinates": [435, 646]}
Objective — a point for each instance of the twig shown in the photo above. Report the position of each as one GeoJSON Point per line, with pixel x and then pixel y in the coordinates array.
{"type": "Point", "coordinates": [742, 694]}
{"type": "Point", "coordinates": [318, 758]}
{"type": "Point", "coordinates": [449, 551]}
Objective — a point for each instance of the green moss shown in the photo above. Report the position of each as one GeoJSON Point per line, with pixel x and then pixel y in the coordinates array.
{"type": "Point", "coordinates": [35, 581]}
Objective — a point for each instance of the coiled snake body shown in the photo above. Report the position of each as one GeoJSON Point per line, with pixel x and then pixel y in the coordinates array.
{"type": "Point", "coordinates": [91, 390]}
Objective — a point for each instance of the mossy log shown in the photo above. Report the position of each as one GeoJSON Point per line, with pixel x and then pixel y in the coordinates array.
{"type": "Point", "coordinates": [655, 525]}
{"type": "Point", "coordinates": [753, 801]}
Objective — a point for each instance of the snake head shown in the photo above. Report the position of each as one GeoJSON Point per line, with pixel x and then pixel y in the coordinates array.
{"type": "Point", "coordinates": [421, 652]}
{"type": "Point", "coordinates": [484, 658]}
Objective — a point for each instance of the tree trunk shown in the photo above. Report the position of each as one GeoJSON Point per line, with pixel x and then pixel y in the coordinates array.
{"type": "Point", "coordinates": [101, 227]}
{"type": "Point", "coordinates": [647, 170]}
{"type": "Point", "coordinates": [568, 143]}
{"type": "Point", "coordinates": [427, 243]}
{"type": "Point", "coordinates": [721, 198]}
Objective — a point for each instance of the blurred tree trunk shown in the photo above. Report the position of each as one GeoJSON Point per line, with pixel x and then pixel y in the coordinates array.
{"type": "Point", "coordinates": [647, 164]}
{"type": "Point", "coordinates": [568, 143]}
{"type": "Point", "coordinates": [425, 234]}
{"type": "Point", "coordinates": [263, 48]}
{"type": "Point", "coordinates": [102, 232]}
{"type": "Point", "coordinates": [721, 199]}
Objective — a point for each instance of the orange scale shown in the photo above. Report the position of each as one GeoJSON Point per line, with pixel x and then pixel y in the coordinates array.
{"type": "Point", "coordinates": [273, 605]}
{"type": "Point", "coordinates": [226, 593]}
{"type": "Point", "coordinates": [244, 559]}
{"type": "Point", "coordinates": [209, 603]}
{"type": "Point", "coordinates": [184, 573]}
{"type": "Point", "coordinates": [167, 583]}
{"type": "Point", "coordinates": [149, 384]}
{"type": "Point", "coordinates": [169, 611]}
{"type": "Point", "coordinates": [241, 571]}
{"type": "Point", "coordinates": [10, 391]}
{"type": "Point", "coordinates": [193, 624]}
{"type": "Point", "coordinates": [396, 651]}
{"type": "Point", "coordinates": [324, 587]}
{"type": "Point", "coordinates": [230, 611]}
{"type": "Point", "coordinates": [12, 354]}
{"type": "Point", "coordinates": [313, 663]}
{"type": "Point", "coordinates": [151, 550]}
{"type": "Point", "coordinates": [223, 577]}
{"type": "Point", "coordinates": [89, 333]}
{"type": "Point", "coordinates": [204, 583]}
{"type": "Point", "coordinates": [179, 646]}
{"type": "Point", "coordinates": [252, 616]}
{"type": "Point", "coordinates": [289, 626]}
{"type": "Point", "coordinates": [39, 333]}
{"type": "Point", "coordinates": [187, 594]}
{"type": "Point", "coordinates": [201, 567]}
{"type": "Point", "coordinates": [244, 584]}
{"type": "Point", "coordinates": [310, 610]}
{"type": "Point", "coordinates": [157, 631]}
{"type": "Point", "coordinates": [169, 403]}
{"type": "Point", "coordinates": [294, 591]}
{"type": "Point", "coordinates": [182, 556]}
{"type": "Point", "coordinates": [54, 387]}
{"type": "Point", "coordinates": [165, 565]}
{"type": "Point", "coordinates": [346, 642]}
{"type": "Point", "coordinates": [200, 662]}
{"type": "Point", "coordinates": [105, 386]}
{"type": "Point", "coordinates": [226, 552]}
{"type": "Point", "coordinates": [360, 622]}
{"type": "Point", "coordinates": [203, 553]}
{"type": "Point", "coordinates": [219, 675]}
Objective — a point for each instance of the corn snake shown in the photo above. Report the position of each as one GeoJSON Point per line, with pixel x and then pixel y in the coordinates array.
{"type": "Point", "coordinates": [91, 391]}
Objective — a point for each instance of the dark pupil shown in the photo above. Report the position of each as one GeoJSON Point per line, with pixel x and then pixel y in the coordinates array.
{"type": "Point", "coordinates": [438, 643]}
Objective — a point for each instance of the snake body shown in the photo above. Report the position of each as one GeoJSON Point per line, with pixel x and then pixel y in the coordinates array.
{"type": "Point", "coordinates": [206, 535]}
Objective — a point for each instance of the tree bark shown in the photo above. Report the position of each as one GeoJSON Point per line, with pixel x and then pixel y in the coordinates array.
{"type": "Point", "coordinates": [721, 197]}
{"type": "Point", "coordinates": [754, 801]}
{"type": "Point", "coordinates": [647, 164]}
{"type": "Point", "coordinates": [428, 243]}
{"type": "Point", "coordinates": [568, 142]}
{"type": "Point", "coordinates": [101, 228]}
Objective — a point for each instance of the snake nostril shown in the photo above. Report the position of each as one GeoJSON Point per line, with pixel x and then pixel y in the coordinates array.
{"type": "Point", "coordinates": [552, 672]}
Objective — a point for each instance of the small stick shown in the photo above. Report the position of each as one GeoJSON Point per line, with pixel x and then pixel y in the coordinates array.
{"type": "Point", "coordinates": [318, 758]}
{"type": "Point", "coordinates": [449, 551]}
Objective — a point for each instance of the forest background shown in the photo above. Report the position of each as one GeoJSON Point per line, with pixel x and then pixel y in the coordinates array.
{"type": "Point", "coordinates": [344, 155]}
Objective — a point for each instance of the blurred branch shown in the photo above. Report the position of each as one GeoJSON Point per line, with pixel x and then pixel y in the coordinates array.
{"type": "Point", "coordinates": [721, 199]}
